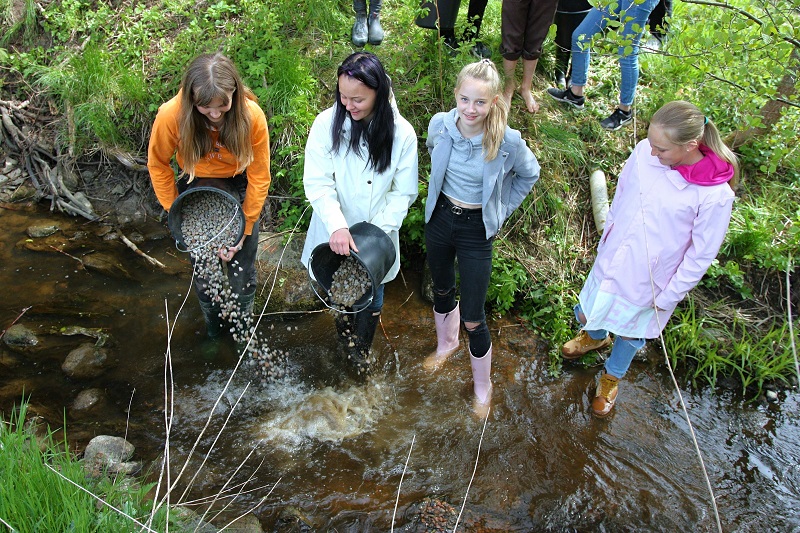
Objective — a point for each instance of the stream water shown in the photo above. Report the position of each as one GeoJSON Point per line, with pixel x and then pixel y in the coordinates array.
{"type": "Point", "coordinates": [324, 450]}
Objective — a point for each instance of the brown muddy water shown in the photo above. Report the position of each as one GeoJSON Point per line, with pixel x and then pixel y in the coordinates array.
{"type": "Point", "coordinates": [332, 449]}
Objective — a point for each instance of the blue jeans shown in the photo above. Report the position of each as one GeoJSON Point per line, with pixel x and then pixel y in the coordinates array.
{"type": "Point", "coordinates": [622, 352]}
{"type": "Point", "coordinates": [634, 19]}
{"type": "Point", "coordinates": [459, 234]}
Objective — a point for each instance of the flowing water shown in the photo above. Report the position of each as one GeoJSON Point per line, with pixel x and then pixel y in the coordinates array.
{"type": "Point", "coordinates": [327, 451]}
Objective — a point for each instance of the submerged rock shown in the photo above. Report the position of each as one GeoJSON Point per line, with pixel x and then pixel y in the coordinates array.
{"type": "Point", "coordinates": [106, 264]}
{"type": "Point", "coordinates": [41, 230]}
{"type": "Point", "coordinates": [19, 336]}
{"type": "Point", "coordinates": [85, 361]}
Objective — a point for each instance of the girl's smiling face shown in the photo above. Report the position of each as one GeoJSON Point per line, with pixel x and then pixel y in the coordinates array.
{"type": "Point", "coordinates": [357, 98]}
{"type": "Point", "coordinates": [473, 101]}
{"type": "Point", "coordinates": [215, 110]}
{"type": "Point", "coordinates": [668, 153]}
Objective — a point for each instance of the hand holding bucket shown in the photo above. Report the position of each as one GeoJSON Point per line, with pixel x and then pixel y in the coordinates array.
{"type": "Point", "coordinates": [374, 251]}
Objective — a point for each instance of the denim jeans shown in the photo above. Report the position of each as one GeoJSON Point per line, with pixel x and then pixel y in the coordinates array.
{"type": "Point", "coordinates": [244, 281]}
{"type": "Point", "coordinates": [622, 352]}
{"type": "Point", "coordinates": [634, 20]}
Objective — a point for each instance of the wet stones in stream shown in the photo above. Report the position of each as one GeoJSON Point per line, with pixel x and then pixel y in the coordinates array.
{"type": "Point", "coordinates": [208, 223]}
{"type": "Point", "coordinates": [349, 283]}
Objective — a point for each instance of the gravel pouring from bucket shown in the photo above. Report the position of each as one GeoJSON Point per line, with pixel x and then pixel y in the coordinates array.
{"type": "Point", "coordinates": [201, 216]}
{"type": "Point", "coordinates": [376, 254]}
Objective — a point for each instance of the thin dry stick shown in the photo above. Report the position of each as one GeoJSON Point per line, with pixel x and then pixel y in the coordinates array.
{"type": "Point", "coordinates": [129, 244]}
{"type": "Point", "coordinates": [397, 501]}
{"type": "Point", "coordinates": [120, 511]}
{"type": "Point", "coordinates": [257, 504]}
{"type": "Point", "coordinates": [15, 320]}
{"type": "Point", "coordinates": [213, 444]}
{"type": "Point", "coordinates": [477, 456]}
{"type": "Point", "coordinates": [230, 479]}
{"type": "Point", "coordinates": [789, 315]}
{"type": "Point", "coordinates": [169, 395]}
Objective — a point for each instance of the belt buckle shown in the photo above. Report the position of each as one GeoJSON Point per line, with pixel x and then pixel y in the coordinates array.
{"type": "Point", "coordinates": [456, 210]}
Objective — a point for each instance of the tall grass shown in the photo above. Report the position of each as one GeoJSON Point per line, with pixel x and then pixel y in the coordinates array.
{"type": "Point", "coordinates": [40, 486]}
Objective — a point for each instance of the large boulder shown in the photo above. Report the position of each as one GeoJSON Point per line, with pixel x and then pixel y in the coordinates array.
{"type": "Point", "coordinates": [292, 290]}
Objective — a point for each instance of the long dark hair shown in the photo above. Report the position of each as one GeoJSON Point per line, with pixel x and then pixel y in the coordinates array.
{"type": "Point", "coordinates": [379, 133]}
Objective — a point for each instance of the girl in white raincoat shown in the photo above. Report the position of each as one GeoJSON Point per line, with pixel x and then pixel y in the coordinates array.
{"type": "Point", "coordinates": [666, 224]}
{"type": "Point", "coordinates": [360, 165]}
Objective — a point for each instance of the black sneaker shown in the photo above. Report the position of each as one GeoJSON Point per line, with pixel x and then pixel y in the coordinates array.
{"type": "Point", "coordinates": [481, 51]}
{"type": "Point", "coordinates": [566, 96]}
{"type": "Point", "coordinates": [617, 119]}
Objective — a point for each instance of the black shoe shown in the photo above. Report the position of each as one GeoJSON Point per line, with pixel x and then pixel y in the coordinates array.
{"type": "Point", "coordinates": [617, 119]}
{"type": "Point", "coordinates": [566, 96]}
{"type": "Point", "coordinates": [451, 44]}
{"type": "Point", "coordinates": [481, 51]}
{"type": "Point", "coordinates": [561, 80]}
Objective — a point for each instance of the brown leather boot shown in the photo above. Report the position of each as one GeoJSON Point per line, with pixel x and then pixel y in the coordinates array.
{"type": "Point", "coordinates": [583, 344]}
{"type": "Point", "coordinates": [606, 395]}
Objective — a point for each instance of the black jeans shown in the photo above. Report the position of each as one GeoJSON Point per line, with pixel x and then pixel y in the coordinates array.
{"type": "Point", "coordinates": [455, 233]}
{"type": "Point", "coordinates": [244, 281]}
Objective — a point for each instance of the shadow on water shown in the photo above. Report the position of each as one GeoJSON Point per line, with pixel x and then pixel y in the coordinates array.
{"type": "Point", "coordinates": [333, 447]}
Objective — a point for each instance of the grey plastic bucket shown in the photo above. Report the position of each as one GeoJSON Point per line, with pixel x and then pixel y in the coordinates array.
{"type": "Point", "coordinates": [447, 14]}
{"type": "Point", "coordinates": [376, 254]}
{"type": "Point", "coordinates": [235, 215]}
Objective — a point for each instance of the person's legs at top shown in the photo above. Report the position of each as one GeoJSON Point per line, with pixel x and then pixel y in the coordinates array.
{"type": "Point", "coordinates": [595, 22]}
{"type": "Point", "coordinates": [633, 16]}
{"type": "Point", "coordinates": [514, 15]}
{"type": "Point", "coordinates": [539, 18]}
{"type": "Point", "coordinates": [475, 13]}
{"type": "Point", "coordinates": [360, 33]}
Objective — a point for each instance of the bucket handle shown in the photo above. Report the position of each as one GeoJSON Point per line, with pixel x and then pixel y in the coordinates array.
{"type": "Point", "coordinates": [312, 282]}
{"type": "Point", "coordinates": [190, 250]}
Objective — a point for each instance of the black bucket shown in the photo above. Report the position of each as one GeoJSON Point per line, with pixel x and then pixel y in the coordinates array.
{"type": "Point", "coordinates": [233, 217]}
{"type": "Point", "coordinates": [376, 254]}
{"type": "Point", "coordinates": [447, 14]}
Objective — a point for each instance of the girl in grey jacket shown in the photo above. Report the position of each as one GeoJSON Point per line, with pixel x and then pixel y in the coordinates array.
{"type": "Point", "coordinates": [481, 171]}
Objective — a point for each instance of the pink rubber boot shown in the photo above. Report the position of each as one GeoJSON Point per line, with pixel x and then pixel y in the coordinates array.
{"type": "Point", "coordinates": [447, 328]}
{"type": "Point", "coordinates": [481, 370]}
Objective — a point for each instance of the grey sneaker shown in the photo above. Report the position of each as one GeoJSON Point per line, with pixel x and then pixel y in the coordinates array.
{"type": "Point", "coordinates": [617, 119]}
{"type": "Point", "coordinates": [566, 96]}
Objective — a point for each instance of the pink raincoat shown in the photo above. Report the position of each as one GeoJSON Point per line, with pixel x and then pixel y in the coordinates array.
{"type": "Point", "coordinates": [660, 237]}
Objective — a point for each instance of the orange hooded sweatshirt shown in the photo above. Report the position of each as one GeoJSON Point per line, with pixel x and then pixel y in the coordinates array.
{"type": "Point", "coordinates": [219, 163]}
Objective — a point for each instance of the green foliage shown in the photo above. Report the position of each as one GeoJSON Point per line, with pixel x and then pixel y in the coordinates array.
{"type": "Point", "coordinates": [766, 230]}
{"type": "Point", "coordinates": [95, 90]}
{"type": "Point", "coordinates": [47, 496]}
{"type": "Point", "coordinates": [708, 348]}
{"type": "Point", "coordinates": [13, 24]}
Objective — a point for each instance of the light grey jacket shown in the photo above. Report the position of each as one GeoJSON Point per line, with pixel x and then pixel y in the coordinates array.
{"type": "Point", "coordinates": [507, 179]}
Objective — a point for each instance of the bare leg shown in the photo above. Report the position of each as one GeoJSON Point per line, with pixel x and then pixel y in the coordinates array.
{"type": "Point", "coordinates": [509, 67]}
{"type": "Point", "coordinates": [528, 69]}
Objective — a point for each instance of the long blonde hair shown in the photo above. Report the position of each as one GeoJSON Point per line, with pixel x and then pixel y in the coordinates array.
{"type": "Point", "coordinates": [211, 76]}
{"type": "Point", "coordinates": [495, 125]}
{"type": "Point", "coordinates": [682, 123]}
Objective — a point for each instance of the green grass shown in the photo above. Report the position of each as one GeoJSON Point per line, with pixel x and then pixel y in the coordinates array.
{"type": "Point", "coordinates": [41, 486]}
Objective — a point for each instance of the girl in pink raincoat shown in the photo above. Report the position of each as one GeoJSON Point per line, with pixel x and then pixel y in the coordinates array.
{"type": "Point", "coordinates": [666, 224]}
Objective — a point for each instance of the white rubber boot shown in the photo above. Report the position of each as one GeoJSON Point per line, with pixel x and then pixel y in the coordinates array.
{"type": "Point", "coordinates": [447, 328]}
{"type": "Point", "coordinates": [481, 370]}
